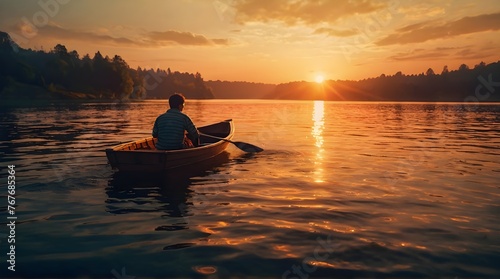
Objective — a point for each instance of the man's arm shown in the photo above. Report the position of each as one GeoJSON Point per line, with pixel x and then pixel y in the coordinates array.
{"type": "Point", "coordinates": [155, 129]}
{"type": "Point", "coordinates": [193, 133]}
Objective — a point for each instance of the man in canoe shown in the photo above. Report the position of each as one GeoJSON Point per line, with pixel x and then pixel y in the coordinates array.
{"type": "Point", "coordinates": [174, 129]}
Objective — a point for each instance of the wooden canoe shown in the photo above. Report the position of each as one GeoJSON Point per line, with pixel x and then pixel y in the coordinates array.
{"type": "Point", "coordinates": [141, 155]}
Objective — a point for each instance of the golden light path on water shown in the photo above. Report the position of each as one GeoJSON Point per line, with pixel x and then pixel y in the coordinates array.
{"type": "Point", "coordinates": [318, 117]}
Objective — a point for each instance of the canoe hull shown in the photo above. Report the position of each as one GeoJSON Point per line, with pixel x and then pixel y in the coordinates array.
{"type": "Point", "coordinates": [141, 155]}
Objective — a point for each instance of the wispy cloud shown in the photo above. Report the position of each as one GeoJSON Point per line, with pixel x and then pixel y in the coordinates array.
{"type": "Point", "coordinates": [301, 11]}
{"type": "Point", "coordinates": [149, 39]}
{"type": "Point", "coordinates": [423, 54]}
{"type": "Point", "coordinates": [430, 30]}
{"type": "Point", "coordinates": [55, 31]}
{"type": "Point", "coordinates": [469, 52]}
{"type": "Point", "coordinates": [337, 32]}
{"type": "Point", "coordinates": [424, 9]}
{"type": "Point", "coordinates": [184, 38]}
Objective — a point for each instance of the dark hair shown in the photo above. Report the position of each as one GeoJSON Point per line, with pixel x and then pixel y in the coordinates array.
{"type": "Point", "coordinates": [176, 100]}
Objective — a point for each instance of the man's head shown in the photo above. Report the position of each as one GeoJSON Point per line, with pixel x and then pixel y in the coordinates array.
{"type": "Point", "coordinates": [176, 101]}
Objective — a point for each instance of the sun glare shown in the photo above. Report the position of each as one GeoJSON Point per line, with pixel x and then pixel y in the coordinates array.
{"type": "Point", "coordinates": [319, 79]}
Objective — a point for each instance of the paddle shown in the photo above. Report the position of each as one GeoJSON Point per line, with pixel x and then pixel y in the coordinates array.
{"type": "Point", "coordinates": [241, 145]}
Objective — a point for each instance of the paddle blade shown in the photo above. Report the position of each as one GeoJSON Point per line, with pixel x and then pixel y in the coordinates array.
{"type": "Point", "coordinates": [247, 147]}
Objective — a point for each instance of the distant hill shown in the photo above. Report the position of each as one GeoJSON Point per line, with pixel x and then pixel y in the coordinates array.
{"type": "Point", "coordinates": [240, 89]}
{"type": "Point", "coordinates": [62, 74]}
{"type": "Point", "coordinates": [482, 83]}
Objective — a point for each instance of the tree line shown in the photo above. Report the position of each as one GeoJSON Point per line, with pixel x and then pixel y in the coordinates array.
{"type": "Point", "coordinates": [63, 74]}
{"type": "Point", "coordinates": [160, 84]}
{"type": "Point", "coordinates": [480, 83]}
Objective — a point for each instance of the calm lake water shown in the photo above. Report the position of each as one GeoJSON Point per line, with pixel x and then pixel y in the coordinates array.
{"type": "Point", "coordinates": [341, 190]}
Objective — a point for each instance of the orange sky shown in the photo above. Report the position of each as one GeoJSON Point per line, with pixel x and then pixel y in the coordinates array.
{"type": "Point", "coordinates": [270, 41]}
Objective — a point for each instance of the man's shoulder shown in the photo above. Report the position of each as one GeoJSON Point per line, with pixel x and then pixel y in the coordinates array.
{"type": "Point", "coordinates": [174, 112]}
{"type": "Point", "coordinates": [161, 116]}
{"type": "Point", "coordinates": [171, 115]}
{"type": "Point", "coordinates": [177, 113]}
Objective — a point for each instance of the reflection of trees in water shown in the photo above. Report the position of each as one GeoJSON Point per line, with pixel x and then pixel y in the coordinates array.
{"type": "Point", "coordinates": [8, 132]}
{"type": "Point", "coordinates": [168, 192]}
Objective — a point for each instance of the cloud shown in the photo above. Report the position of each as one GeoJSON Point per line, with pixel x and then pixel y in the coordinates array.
{"type": "Point", "coordinates": [184, 38]}
{"type": "Point", "coordinates": [486, 52]}
{"type": "Point", "coordinates": [424, 10]}
{"type": "Point", "coordinates": [431, 30]}
{"type": "Point", "coordinates": [469, 52]}
{"type": "Point", "coordinates": [423, 54]}
{"type": "Point", "coordinates": [27, 31]}
{"type": "Point", "coordinates": [336, 32]}
{"type": "Point", "coordinates": [301, 11]}
{"type": "Point", "coordinates": [58, 32]}
{"type": "Point", "coordinates": [150, 39]}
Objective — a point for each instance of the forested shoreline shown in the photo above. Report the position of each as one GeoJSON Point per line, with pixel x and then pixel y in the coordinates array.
{"type": "Point", "coordinates": [62, 74]}
{"type": "Point", "coordinates": [478, 84]}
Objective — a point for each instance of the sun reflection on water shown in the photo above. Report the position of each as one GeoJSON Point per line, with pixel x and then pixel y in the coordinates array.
{"type": "Point", "coordinates": [318, 117]}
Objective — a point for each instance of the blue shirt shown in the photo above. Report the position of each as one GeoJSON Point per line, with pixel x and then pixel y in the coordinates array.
{"type": "Point", "coordinates": [169, 128]}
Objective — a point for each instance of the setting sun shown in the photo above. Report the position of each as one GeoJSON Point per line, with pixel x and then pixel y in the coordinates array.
{"type": "Point", "coordinates": [319, 79]}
